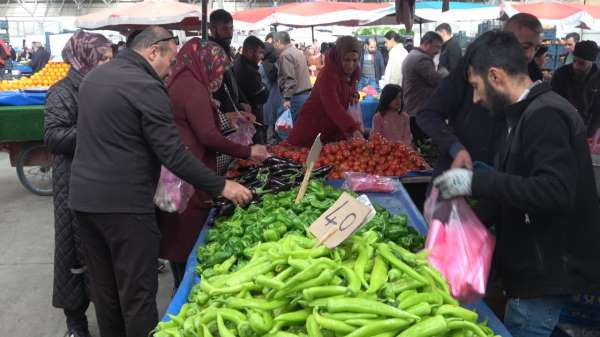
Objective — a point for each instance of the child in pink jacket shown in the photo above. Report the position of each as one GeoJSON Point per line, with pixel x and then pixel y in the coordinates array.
{"type": "Point", "coordinates": [390, 121]}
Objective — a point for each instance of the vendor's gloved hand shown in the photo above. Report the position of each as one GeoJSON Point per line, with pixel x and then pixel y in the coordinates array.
{"type": "Point", "coordinates": [454, 183]}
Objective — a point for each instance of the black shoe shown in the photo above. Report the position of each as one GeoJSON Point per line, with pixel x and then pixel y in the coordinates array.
{"type": "Point", "coordinates": [78, 333]}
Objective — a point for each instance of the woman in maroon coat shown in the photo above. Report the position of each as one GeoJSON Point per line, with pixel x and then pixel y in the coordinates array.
{"type": "Point", "coordinates": [326, 110]}
{"type": "Point", "coordinates": [198, 73]}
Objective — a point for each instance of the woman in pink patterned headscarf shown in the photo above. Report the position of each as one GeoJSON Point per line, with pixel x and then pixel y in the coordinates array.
{"type": "Point", "coordinates": [84, 51]}
{"type": "Point", "coordinates": [197, 74]}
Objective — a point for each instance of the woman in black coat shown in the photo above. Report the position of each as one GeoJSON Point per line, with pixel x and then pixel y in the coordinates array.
{"type": "Point", "coordinates": [83, 52]}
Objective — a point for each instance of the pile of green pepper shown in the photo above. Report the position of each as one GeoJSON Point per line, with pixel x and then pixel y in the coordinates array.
{"type": "Point", "coordinates": [290, 288]}
{"type": "Point", "coordinates": [277, 215]}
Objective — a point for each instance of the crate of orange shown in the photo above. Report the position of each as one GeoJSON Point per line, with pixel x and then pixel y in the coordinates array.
{"type": "Point", "coordinates": [48, 76]}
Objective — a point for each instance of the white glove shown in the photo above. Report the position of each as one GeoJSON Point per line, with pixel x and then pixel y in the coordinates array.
{"type": "Point", "coordinates": [454, 183]}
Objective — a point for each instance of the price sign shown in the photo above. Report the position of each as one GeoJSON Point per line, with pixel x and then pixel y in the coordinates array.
{"type": "Point", "coordinates": [338, 223]}
{"type": "Point", "coordinates": [313, 155]}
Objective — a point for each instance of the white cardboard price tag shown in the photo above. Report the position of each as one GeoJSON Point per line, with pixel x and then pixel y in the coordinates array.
{"type": "Point", "coordinates": [340, 221]}
{"type": "Point", "coordinates": [313, 155]}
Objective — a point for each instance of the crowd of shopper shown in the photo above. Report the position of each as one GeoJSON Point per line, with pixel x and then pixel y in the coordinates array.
{"type": "Point", "coordinates": [113, 124]}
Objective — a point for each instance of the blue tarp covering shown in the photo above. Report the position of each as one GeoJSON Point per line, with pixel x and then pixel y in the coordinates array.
{"type": "Point", "coordinates": [17, 98]}
{"type": "Point", "coordinates": [368, 107]}
{"type": "Point", "coordinates": [453, 5]}
{"type": "Point", "coordinates": [395, 203]}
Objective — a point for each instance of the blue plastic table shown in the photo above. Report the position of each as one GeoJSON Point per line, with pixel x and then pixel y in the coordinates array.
{"type": "Point", "coordinates": [18, 98]}
{"type": "Point", "coordinates": [396, 203]}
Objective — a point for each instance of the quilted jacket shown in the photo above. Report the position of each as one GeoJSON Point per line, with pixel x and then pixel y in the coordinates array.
{"type": "Point", "coordinates": [60, 118]}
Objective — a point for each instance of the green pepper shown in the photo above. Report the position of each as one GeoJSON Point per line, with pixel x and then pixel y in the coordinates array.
{"type": "Point", "coordinates": [458, 312]}
{"type": "Point", "coordinates": [323, 291]}
{"type": "Point", "coordinates": [431, 298]}
{"type": "Point", "coordinates": [325, 277]}
{"type": "Point", "coordinates": [270, 235]}
{"type": "Point", "coordinates": [421, 309]}
{"type": "Point", "coordinates": [433, 326]}
{"type": "Point", "coordinates": [295, 317]}
{"type": "Point", "coordinates": [268, 282]}
{"type": "Point", "coordinates": [385, 251]}
{"type": "Point", "coordinates": [332, 324]}
{"type": "Point", "coordinates": [470, 326]}
{"type": "Point", "coordinates": [378, 275]}
{"type": "Point", "coordinates": [254, 303]}
{"type": "Point", "coordinates": [344, 316]}
{"type": "Point", "coordinates": [361, 305]}
{"type": "Point", "coordinates": [322, 205]}
{"type": "Point", "coordinates": [405, 294]}
{"type": "Point", "coordinates": [260, 321]}
{"type": "Point", "coordinates": [382, 326]}
{"type": "Point", "coordinates": [352, 280]}
{"type": "Point", "coordinates": [312, 327]}
{"type": "Point", "coordinates": [361, 262]}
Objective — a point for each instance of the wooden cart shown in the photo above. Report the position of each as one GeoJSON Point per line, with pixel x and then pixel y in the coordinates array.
{"type": "Point", "coordinates": [21, 135]}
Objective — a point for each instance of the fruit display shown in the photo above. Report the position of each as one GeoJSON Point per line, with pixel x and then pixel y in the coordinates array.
{"type": "Point", "coordinates": [277, 215]}
{"type": "Point", "coordinates": [50, 74]}
{"type": "Point", "coordinates": [290, 288]}
{"type": "Point", "coordinates": [376, 156]}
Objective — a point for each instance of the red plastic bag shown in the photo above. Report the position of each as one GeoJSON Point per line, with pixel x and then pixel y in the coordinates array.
{"type": "Point", "coordinates": [459, 246]}
{"type": "Point", "coordinates": [172, 193]}
{"type": "Point", "coordinates": [364, 182]}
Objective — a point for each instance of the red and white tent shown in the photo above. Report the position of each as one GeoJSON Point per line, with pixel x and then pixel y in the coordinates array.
{"type": "Point", "coordinates": [310, 14]}
{"type": "Point", "coordinates": [171, 14]}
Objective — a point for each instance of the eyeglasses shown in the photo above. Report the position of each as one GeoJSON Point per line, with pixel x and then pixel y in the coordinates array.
{"type": "Point", "coordinates": [174, 38]}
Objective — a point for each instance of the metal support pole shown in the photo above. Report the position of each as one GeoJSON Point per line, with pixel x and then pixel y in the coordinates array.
{"type": "Point", "coordinates": [204, 19]}
{"type": "Point", "coordinates": [312, 31]}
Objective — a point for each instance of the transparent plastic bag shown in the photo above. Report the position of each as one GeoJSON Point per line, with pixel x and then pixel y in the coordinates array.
{"type": "Point", "coordinates": [284, 124]}
{"type": "Point", "coordinates": [364, 182]}
{"type": "Point", "coordinates": [244, 133]}
{"type": "Point", "coordinates": [172, 193]}
{"type": "Point", "coordinates": [356, 113]}
{"type": "Point", "coordinates": [459, 246]}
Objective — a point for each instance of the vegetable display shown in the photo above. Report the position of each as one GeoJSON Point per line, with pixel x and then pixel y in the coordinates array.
{"type": "Point", "coordinates": [290, 288]}
{"type": "Point", "coordinates": [277, 215]}
{"type": "Point", "coordinates": [376, 156]}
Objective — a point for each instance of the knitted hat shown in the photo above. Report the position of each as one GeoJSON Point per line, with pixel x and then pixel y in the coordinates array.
{"type": "Point", "coordinates": [587, 50]}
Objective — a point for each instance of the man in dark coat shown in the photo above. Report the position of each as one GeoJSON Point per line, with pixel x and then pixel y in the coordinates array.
{"type": "Point", "coordinates": [420, 78]}
{"type": "Point", "coordinates": [577, 82]}
{"type": "Point", "coordinates": [125, 131]}
{"type": "Point", "coordinates": [372, 65]}
{"type": "Point", "coordinates": [250, 83]}
{"type": "Point", "coordinates": [451, 51]}
{"type": "Point", "coordinates": [464, 131]}
{"type": "Point", "coordinates": [229, 95]}
{"type": "Point", "coordinates": [39, 57]}
{"type": "Point", "coordinates": [542, 194]}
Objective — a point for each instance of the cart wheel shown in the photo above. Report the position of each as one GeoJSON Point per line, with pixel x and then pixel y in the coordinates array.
{"type": "Point", "coordinates": [38, 178]}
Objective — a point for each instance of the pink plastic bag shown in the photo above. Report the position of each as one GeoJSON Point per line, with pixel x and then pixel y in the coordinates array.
{"type": "Point", "coordinates": [172, 193]}
{"type": "Point", "coordinates": [364, 182]}
{"type": "Point", "coordinates": [245, 130]}
{"type": "Point", "coordinates": [460, 247]}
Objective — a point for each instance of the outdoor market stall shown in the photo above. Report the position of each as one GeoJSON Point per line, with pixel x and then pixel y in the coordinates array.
{"type": "Point", "coordinates": [396, 203]}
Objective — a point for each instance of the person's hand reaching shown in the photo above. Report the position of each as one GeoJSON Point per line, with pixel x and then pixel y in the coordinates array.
{"type": "Point", "coordinates": [259, 152]}
{"type": "Point", "coordinates": [462, 160]}
{"type": "Point", "coordinates": [236, 193]}
{"type": "Point", "coordinates": [454, 183]}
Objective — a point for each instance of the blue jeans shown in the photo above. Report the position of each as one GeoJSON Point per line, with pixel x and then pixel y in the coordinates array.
{"type": "Point", "coordinates": [364, 81]}
{"type": "Point", "coordinates": [534, 317]}
{"type": "Point", "coordinates": [297, 103]}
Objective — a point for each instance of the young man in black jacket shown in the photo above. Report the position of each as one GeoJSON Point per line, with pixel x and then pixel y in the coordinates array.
{"type": "Point", "coordinates": [125, 131]}
{"type": "Point", "coordinates": [542, 193]}
{"type": "Point", "coordinates": [250, 83]}
{"type": "Point", "coordinates": [470, 133]}
{"type": "Point", "coordinates": [451, 51]}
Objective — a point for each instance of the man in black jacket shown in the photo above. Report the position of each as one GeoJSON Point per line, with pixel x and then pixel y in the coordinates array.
{"type": "Point", "coordinates": [451, 51]}
{"type": "Point", "coordinates": [229, 95]}
{"type": "Point", "coordinates": [250, 83]}
{"type": "Point", "coordinates": [471, 133]}
{"type": "Point", "coordinates": [39, 57]}
{"type": "Point", "coordinates": [372, 65]}
{"type": "Point", "coordinates": [125, 131]}
{"type": "Point", "coordinates": [542, 193]}
{"type": "Point", "coordinates": [577, 82]}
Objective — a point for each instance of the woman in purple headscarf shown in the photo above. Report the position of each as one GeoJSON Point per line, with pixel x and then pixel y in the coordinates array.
{"type": "Point", "coordinates": [84, 51]}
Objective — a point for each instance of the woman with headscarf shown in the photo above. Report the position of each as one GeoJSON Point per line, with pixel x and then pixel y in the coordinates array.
{"type": "Point", "coordinates": [197, 75]}
{"type": "Point", "coordinates": [84, 51]}
{"type": "Point", "coordinates": [326, 110]}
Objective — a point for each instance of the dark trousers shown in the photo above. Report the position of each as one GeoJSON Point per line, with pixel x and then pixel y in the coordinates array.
{"type": "Point", "coordinates": [178, 270]}
{"type": "Point", "coordinates": [121, 251]}
{"type": "Point", "coordinates": [417, 134]}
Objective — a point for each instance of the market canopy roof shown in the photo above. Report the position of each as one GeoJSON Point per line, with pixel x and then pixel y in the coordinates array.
{"type": "Point", "coordinates": [168, 13]}
{"type": "Point", "coordinates": [307, 14]}
{"type": "Point", "coordinates": [459, 11]}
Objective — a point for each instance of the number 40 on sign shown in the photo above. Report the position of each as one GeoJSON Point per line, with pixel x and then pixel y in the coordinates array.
{"type": "Point", "coordinates": [340, 221]}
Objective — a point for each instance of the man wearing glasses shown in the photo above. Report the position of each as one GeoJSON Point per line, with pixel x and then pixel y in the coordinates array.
{"type": "Point", "coordinates": [464, 131]}
{"type": "Point", "coordinates": [125, 132]}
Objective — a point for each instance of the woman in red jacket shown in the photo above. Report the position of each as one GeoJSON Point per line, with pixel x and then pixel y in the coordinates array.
{"type": "Point", "coordinates": [198, 73]}
{"type": "Point", "coordinates": [326, 110]}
